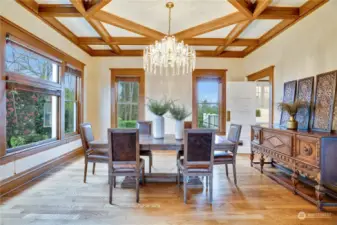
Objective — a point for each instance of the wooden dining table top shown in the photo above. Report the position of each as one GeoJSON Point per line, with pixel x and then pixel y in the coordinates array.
{"type": "Point", "coordinates": [167, 143]}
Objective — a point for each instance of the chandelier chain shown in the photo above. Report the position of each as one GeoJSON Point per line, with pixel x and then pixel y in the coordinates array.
{"type": "Point", "coordinates": [169, 28]}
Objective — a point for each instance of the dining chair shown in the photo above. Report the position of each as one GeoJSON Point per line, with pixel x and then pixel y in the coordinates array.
{"type": "Point", "coordinates": [187, 125]}
{"type": "Point", "coordinates": [124, 158]}
{"type": "Point", "coordinates": [90, 154]}
{"type": "Point", "coordinates": [145, 128]}
{"type": "Point", "coordinates": [198, 158]}
{"type": "Point", "coordinates": [229, 156]}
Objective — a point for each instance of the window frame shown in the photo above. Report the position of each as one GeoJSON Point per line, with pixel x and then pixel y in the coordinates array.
{"type": "Point", "coordinates": [32, 84]}
{"type": "Point", "coordinates": [220, 76]}
{"type": "Point", "coordinates": [117, 75]}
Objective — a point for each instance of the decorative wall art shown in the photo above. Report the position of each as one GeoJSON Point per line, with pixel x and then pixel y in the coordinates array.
{"type": "Point", "coordinates": [305, 91]}
{"type": "Point", "coordinates": [288, 97]}
{"type": "Point", "coordinates": [324, 101]}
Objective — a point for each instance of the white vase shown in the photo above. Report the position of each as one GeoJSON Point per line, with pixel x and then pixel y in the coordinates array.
{"type": "Point", "coordinates": [158, 127]}
{"type": "Point", "coordinates": [179, 129]}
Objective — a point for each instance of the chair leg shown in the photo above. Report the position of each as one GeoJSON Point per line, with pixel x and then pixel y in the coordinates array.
{"type": "Point", "coordinates": [143, 175]}
{"type": "Point", "coordinates": [85, 170]}
{"type": "Point", "coordinates": [206, 182]}
{"type": "Point", "coordinates": [93, 168]}
{"type": "Point", "coordinates": [110, 192]}
{"type": "Point", "coordinates": [178, 178]}
{"type": "Point", "coordinates": [211, 189]}
{"type": "Point", "coordinates": [185, 189]}
{"type": "Point", "coordinates": [234, 173]}
{"type": "Point", "coordinates": [150, 163]}
{"type": "Point", "coordinates": [114, 181]}
{"type": "Point", "coordinates": [226, 170]}
{"type": "Point", "coordinates": [137, 188]}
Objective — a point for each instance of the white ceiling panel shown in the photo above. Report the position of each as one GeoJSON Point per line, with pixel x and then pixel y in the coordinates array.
{"type": "Point", "coordinates": [132, 47]}
{"type": "Point", "coordinates": [204, 48]}
{"type": "Point", "coordinates": [220, 33]}
{"type": "Point", "coordinates": [291, 3]}
{"type": "Point", "coordinates": [79, 26]}
{"type": "Point", "coordinates": [236, 48]}
{"type": "Point", "coordinates": [119, 32]}
{"type": "Point", "coordinates": [100, 47]}
{"type": "Point", "coordinates": [185, 14]}
{"type": "Point", "coordinates": [258, 28]}
{"type": "Point", "coordinates": [53, 1]}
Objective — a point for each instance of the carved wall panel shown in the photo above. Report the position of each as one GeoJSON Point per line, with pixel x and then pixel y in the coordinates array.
{"type": "Point", "coordinates": [324, 101]}
{"type": "Point", "coordinates": [305, 93]}
{"type": "Point", "coordinates": [289, 94]}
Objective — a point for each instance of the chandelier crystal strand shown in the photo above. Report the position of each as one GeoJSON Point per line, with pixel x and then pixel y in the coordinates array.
{"type": "Point", "coordinates": [168, 56]}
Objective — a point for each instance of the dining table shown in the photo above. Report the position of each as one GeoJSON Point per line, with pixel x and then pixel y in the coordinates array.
{"type": "Point", "coordinates": [147, 142]}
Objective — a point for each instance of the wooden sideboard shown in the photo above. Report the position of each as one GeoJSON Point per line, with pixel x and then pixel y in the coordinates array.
{"type": "Point", "coordinates": [303, 161]}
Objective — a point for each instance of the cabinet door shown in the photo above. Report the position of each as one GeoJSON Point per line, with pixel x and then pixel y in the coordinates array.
{"type": "Point", "coordinates": [308, 149]}
{"type": "Point", "coordinates": [328, 162]}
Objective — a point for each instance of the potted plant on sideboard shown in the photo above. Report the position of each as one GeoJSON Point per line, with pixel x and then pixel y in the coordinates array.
{"type": "Point", "coordinates": [159, 108]}
{"type": "Point", "coordinates": [292, 109]}
{"type": "Point", "coordinates": [179, 113]}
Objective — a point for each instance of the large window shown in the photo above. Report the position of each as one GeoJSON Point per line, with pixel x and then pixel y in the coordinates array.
{"type": "Point", "coordinates": [127, 103]}
{"type": "Point", "coordinates": [38, 111]}
{"type": "Point", "coordinates": [127, 95]}
{"type": "Point", "coordinates": [208, 103]}
{"type": "Point", "coordinates": [72, 84]}
{"type": "Point", "coordinates": [209, 99]}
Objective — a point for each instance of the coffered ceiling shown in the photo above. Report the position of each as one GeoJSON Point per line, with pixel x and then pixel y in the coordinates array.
{"type": "Point", "coordinates": [215, 28]}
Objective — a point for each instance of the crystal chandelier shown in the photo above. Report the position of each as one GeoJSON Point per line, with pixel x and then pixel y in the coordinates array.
{"type": "Point", "coordinates": [168, 55]}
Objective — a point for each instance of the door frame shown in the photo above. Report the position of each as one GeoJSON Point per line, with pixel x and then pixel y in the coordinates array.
{"type": "Point", "coordinates": [266, 72]}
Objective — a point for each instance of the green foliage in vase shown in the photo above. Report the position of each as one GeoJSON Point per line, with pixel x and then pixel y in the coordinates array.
{"type": "Point", "coordinates": [258, 113]}
{"type": "Point", "coordinates": [292, 108]}
{"type": "Point", "coordinates": [179, 112]}
{"type": "Point", "coordinates": [159, 107]}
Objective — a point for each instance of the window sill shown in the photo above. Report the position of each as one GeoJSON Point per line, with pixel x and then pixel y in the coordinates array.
{"type": "Point", "coordinates": [10, 157]}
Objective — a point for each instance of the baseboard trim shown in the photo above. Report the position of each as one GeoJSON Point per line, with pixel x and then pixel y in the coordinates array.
{"type": "Point", "coordinates": [12, 183]}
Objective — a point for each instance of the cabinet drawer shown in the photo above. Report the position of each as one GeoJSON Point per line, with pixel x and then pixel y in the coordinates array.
{"type": "Point", "coordinates": [280, 142]}
{"type": "Point", "coordinates": [307, 149]}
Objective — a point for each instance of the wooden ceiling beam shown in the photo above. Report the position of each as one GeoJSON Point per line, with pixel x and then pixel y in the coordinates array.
{"type": "Point", "coordinates": [259, 7]}
{"type": "Point", "coordinates": [148, 41]}
{"type": "Point", "coordinates": [97, 7]}
{"type": "Point", "coordinates": [238, 29]}
{"type": "Point", "coordinates": [63, 30]}
{"type": "Point", "coordinates": [221, 22]}
{"type": "Point", "coordinates": [97, 25]}
{"type": "Point", "coordinates": [273, 12]}
{"type": "Point", "coordinates": [304, 10]}
{"type": "Point", "coordinates": [127, 25]}
{"type": "Point", "coordinates": [243, 6]}
{"type": "Point", "coordinates": [137, 53]}
{"type": "Point", "coordinates": [56, 10]}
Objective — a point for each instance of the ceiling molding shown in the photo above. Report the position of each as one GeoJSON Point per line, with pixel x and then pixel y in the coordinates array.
{"type": "Point", "coordinates": [149, 41]}
{"type": "Point", "coordinates": [247, 13]}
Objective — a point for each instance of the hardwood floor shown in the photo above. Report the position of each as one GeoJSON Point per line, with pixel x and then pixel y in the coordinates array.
{"type": "Point", "coordinates": [61, 197]}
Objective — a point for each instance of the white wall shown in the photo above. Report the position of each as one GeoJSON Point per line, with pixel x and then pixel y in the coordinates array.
{"type": "Point", "coordinates": [178, 88]}
{"type": "Point", "coordinates": [23, 18]}
{"type": "Point", "coordinates": [306, 49]}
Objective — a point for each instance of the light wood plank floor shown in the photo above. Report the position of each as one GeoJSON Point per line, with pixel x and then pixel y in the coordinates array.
{"type": "Point", "coordinates": [61, 197]}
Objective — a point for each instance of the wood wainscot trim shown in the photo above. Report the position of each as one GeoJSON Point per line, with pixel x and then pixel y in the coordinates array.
{"type": "Point", "coordinates": [127, 74]}
{"type": "Point", "coordinates": [220, 75]}
{"type": "Point", "coordinates": [266, 73]}
{"type": "Point", "coordinates": [12, 183]}
{"type": "Point", "coordinates": [16, 155]}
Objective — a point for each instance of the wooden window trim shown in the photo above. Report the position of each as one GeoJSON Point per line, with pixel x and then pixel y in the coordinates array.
{"type": "Point", "coordinates": [266, 72]}
{"type": "Point", "coordinates": [127, 75]}
{"type": "Point", "coordinates": [221, 76]}
{"type": "Point", "coordinates": [39, 46]}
